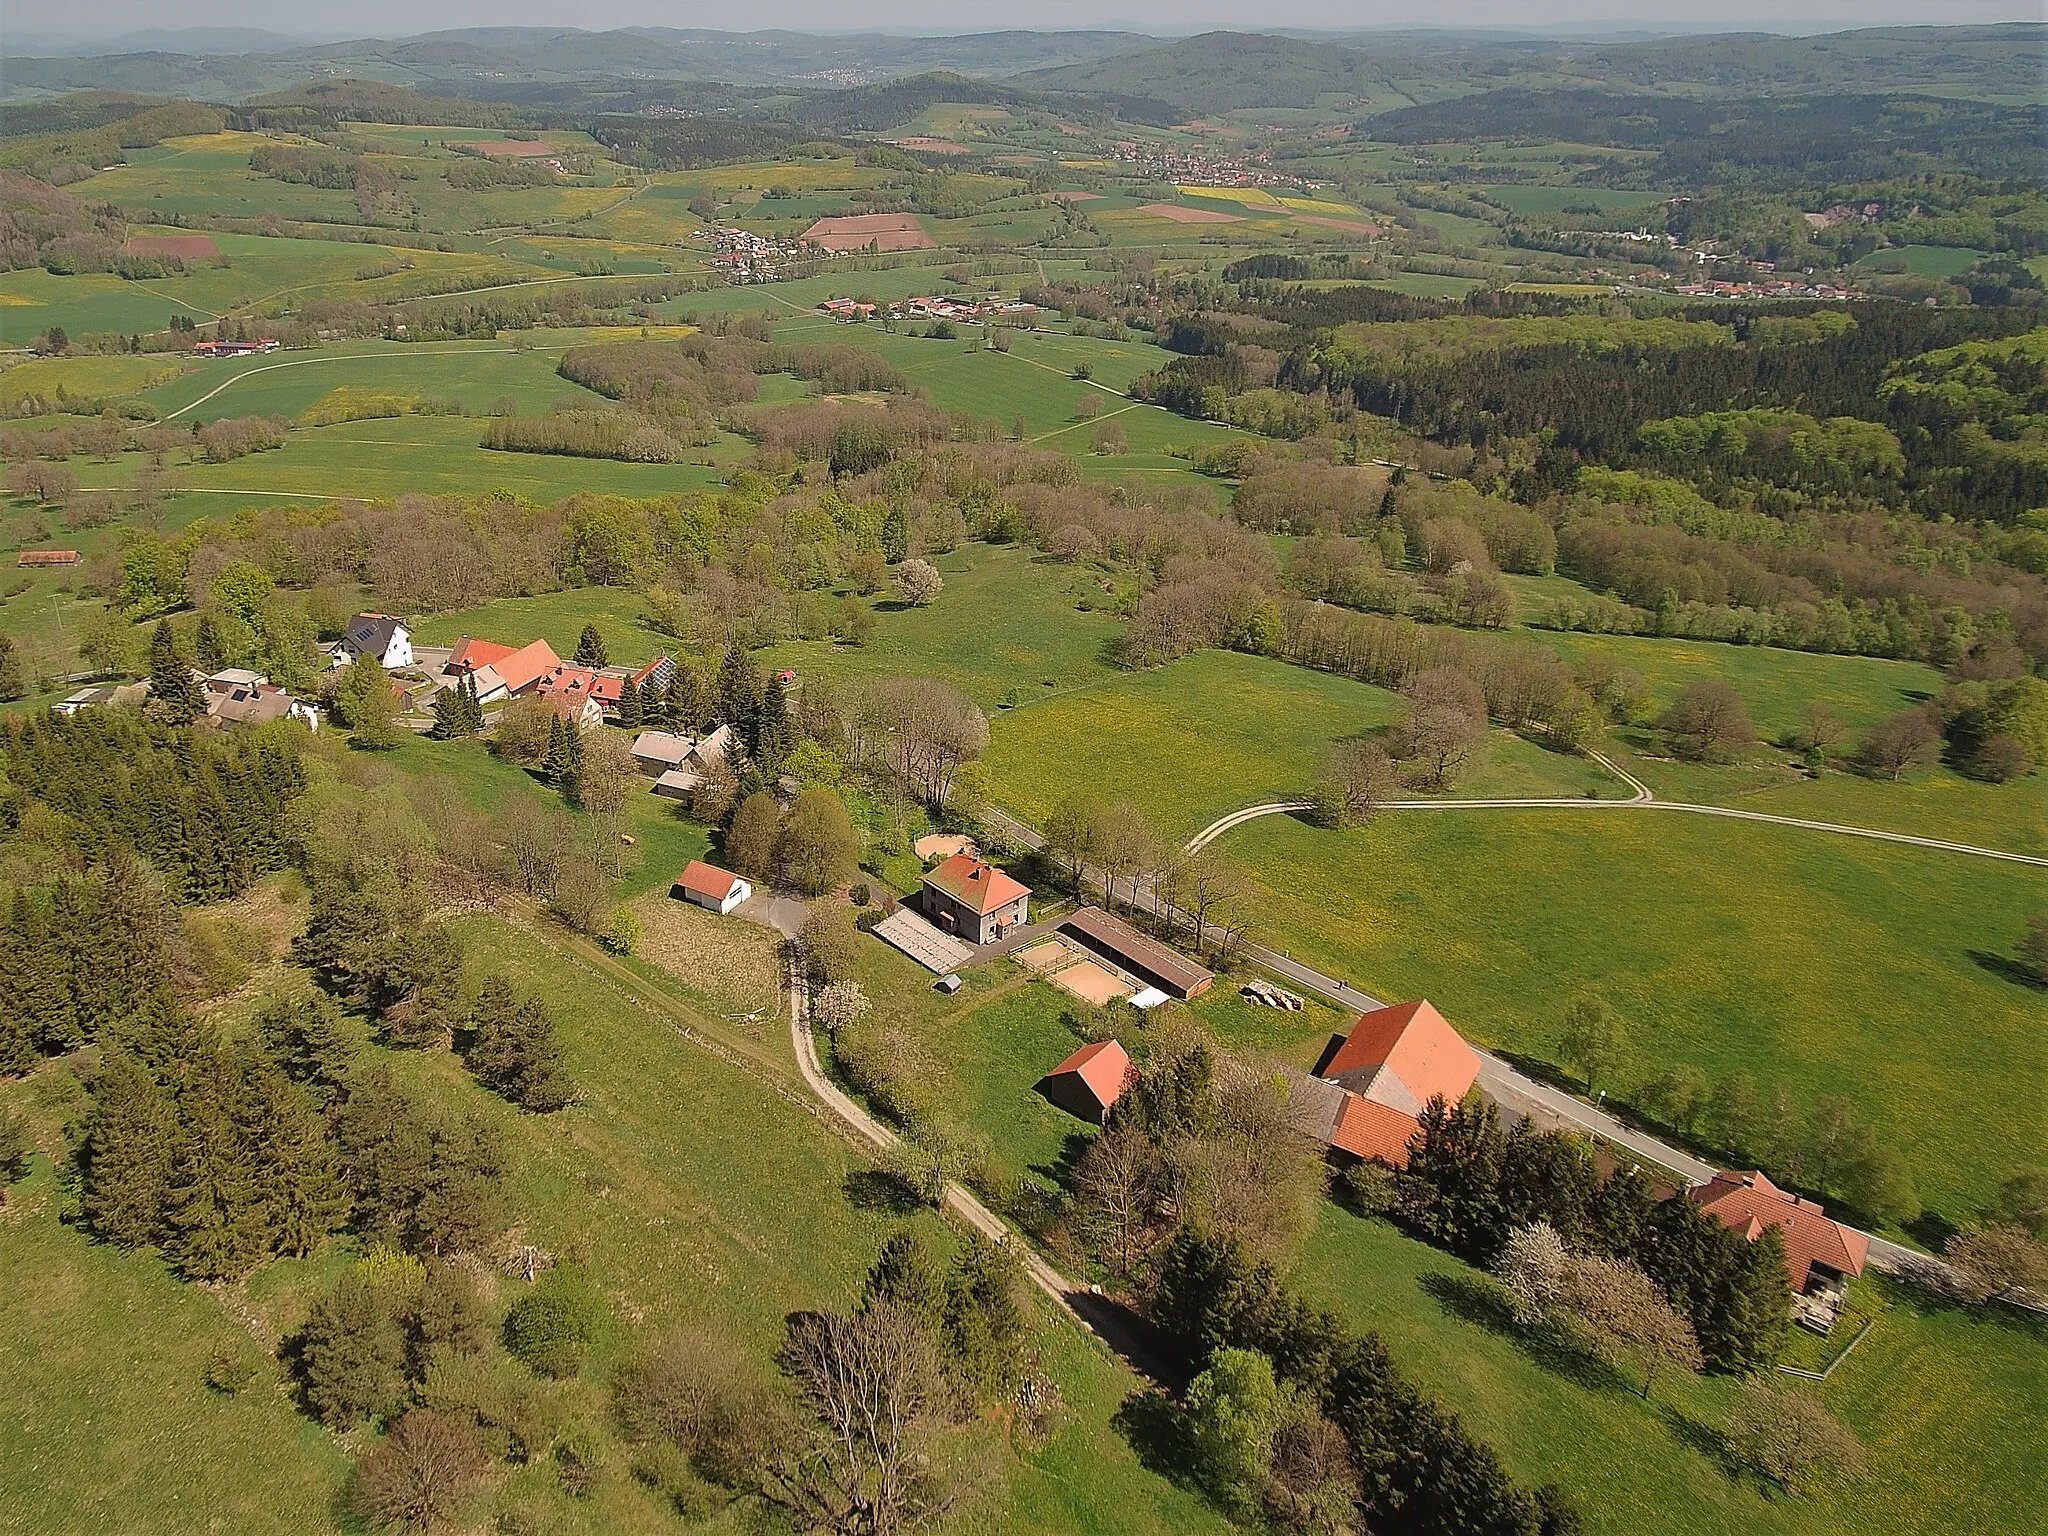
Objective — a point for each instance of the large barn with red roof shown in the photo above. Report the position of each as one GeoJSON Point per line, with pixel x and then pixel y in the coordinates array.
{"type": "Point", "coordinates": [1371, 1086]}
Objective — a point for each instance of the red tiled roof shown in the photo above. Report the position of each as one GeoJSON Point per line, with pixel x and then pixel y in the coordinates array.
{"type": "Point", "coordinates": [1104, 1067]}
{"type": "Point", "coordinates": [470, 654]}
{"type": "Point", "coordinates": [707, 880]}
{"type": "Point", "coordinates": [578, 683]}
{"type": "Point", "coordinates": [522, 668]}
{"type": "Point", "coordinates": [1748, 1202]}
{"type": "Point", "coordinates": [1370, 1130]}
{"type": "Point", "coordinates": [975, 883]}
{"type": "Point", "coordinates": [48, 557]}
{"type": "Point", "coordinates": [1412, 1041]}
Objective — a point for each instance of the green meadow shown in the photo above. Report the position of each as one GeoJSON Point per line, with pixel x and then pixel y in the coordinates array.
{"type": "Point", "coordinates": [1933, 1392]}
{"type": "Point", "coordinates": [1825, 963]}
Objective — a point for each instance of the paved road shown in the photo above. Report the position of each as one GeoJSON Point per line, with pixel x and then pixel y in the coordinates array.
{"type": "Point", "coordinates": [1642, 800]}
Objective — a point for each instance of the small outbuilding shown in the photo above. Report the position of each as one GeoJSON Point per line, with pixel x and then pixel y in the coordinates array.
{"type": "Point", "coordinates": [658, 752]}
{"type": "Point", "coordinates": [1090, 1081]}
{"type": "Point", "coordinates": [707, 885]}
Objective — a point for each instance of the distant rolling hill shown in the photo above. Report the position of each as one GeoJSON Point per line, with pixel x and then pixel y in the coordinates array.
{"type": "Point", "coordinates": [1225, 71]}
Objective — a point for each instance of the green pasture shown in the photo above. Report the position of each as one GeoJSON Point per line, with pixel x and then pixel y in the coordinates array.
{"type": "Point", "coordinates": [1523, 197]}
{"type": "Point", "coordinates": [1932, 1393]}
{"type": "Point", "coordinates": [107, 1417]}
{"type": "Point", "coordinates": [1825, 963]}
{"type": "Point", "coordinates": [209, 174]}
{"type": "Point", "coordinates": [1187, 742]}
{"type": "Point", "coordinates": [288, 383]}
{"type": "Point", "coordinates": [1922, 260]}
{"type": "Point", "coordinates": [1006, 627]}
{"type": "Point", "coordinates": [32, 301]}
{"type": "Point", "coordinates": [87, 376]}
{"type": "Point", "coordinates": [1428, 285]}
{"type": "Point", "coordinates": [1776, 685]}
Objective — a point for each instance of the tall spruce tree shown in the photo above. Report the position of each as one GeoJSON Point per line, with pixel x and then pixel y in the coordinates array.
{"type": "Point", "coordinates": [126, 1156]}
{"type": "Point", "coordinates": [34, 1001]}
{"type": "Point", "coordinates": [309, 1039]}
{"type": "Point", "coordinates": [591, 650]}
{"type": "Point", "coordinates": [513, 1050]}
{"type": "Point", "coordinates": [208, 647]}
{"type": "Point", "coordinates": [627, 714]}
{"type": "Point", "coordinates": [297, 1181]}
{"type": "Point", "coordinates": [451, 714]}
{"type": "Point", "coordinates": [172, 689]}
{"type": "Point", "coordinates": [739, 693]}
{"type": "Point", "coordinates": [214, 1220]}
{"type": "Point", "coordinates": [774, 734]}
{"type": "Point", "coordinates": [554, 764]}
{"type": "Point", "coordinates": [13, 677]}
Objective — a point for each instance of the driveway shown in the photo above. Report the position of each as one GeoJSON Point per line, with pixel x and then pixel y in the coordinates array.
{"type": "Point", "coordinates": [771, 909]}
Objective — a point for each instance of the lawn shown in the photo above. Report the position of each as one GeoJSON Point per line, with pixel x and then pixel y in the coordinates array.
{"type": "Point", "coordinates": [1825, 963]}
{"type": "Point", "coordinates": [1933, 1392]}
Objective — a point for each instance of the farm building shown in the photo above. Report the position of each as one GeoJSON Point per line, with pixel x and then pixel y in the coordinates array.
{"type": "Point", "coordinates": [1151, 962]}
{"type": "Point", "coordinates": [679, 763]}
{"type": "Point", "coordinates": [239, 696]}
{"type": "Point", "coordinates": [1088, 1082]}
{"type": "Point", "coordinates": [36, 557]}
{"type": "Point", "coordinates": [379, 635]}
{"type": "Point", "coordinates": [656, 752]}
{"type": "Point", "coordinates": [971, 899]}
{"type": "Point", "coordinates": [709, 886]}
{"type": "Point", "coordinates": [1383, 1074]}
{"type": "Point", "coordinates": [1821, 1256]}
{"type": "Point", "coordinates": [503, 671]}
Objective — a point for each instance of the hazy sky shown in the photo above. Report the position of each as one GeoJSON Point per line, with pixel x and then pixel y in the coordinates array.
{"type": "Point", "coordinates": [391, 18]}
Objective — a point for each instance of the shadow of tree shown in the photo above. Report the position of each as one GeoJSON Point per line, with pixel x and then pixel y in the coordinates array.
{"type": "Point", "coordinates": [1153, 1425]}
{"type": "Point", "coordinates": [2005, 968]}
{"type": "Point", "coordinates": [876, 1189]}
{"type": "Point", "coordinates": [1475, 1299]}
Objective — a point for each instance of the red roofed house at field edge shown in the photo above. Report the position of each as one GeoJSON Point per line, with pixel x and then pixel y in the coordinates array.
{"type": "Point", "coordinates": [1394, 1061]}
{"type": "Point", "coordinates": [971, 899]}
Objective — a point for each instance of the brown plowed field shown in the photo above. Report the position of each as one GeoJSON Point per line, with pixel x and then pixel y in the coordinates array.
{"type": "Point", "coordinates": [184, 247]}
{"type": "Point", "coordinates": [888, 232]}
{"type": "Point", "coordinates": [1180, 215]}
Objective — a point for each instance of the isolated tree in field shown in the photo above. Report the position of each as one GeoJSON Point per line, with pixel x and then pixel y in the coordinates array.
{"type": "Point", "coordinates": [1357, 778]}
{"type": "Point", "coordinates": [1594, 1038]}
{"type": "Point", "coordinates": [874, 1392]}
{"type": "Point", "coordinates": [2033, 946]}
{"type": "Point", "coordinates": [918, 582]}
{"type": "Point", "coordinates": [1791, 1439]}
{"type": "Point", "coordinates": [819, 848]}
{"type": "Point", "coordinates": [1997, 1259]}
{"type": "Point", "coordinates": [606, 773]}
{"type": "Point", "coordinates": [1626, 1319]}
{"type": "Point", "coordinates": [421, 1474]}
{"type": "Point", "coordinates": [1821, 732]}
{"type": "Point", "coordinates": [591, 651]}
{"type": "Point", "coordinates": [751, 840]}
{"type": "Point", "coordinates": [2022, 1201]}
{"type": "Point", "coordinates": [1535, 1267]}
{"type": "Point", "coordinates": [1708, 723]}
{"type": "Point", "coordinates": [1110, 439]}
{"type": "Point", "coordinates": [1907, 740]}
{"type": "Point", "coordinates": [1443, 721]}
{"type": "Point", "coordinates": [173, 692]}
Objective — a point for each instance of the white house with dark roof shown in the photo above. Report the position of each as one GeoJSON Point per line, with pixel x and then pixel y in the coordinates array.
{"type": "Point", "coordinates": [379, 635]}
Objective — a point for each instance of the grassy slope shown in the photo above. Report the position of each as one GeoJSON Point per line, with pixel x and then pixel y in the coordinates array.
{"type": "Point", "coordinates": [1942, 1454]}
{"type": "Point", "coordinates": [1827, 963]}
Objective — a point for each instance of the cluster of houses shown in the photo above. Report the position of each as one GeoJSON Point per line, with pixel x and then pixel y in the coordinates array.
{"type": "Point", "coordinates": [745, 257]}
{"type": "Point", "coordinates": [234, 696]}
{"type": "Point", "coordinates": [235, 348]}
{"type": "Point", "coordinates": [497, 673]}
{"type": "Point", "coordinates": [926, 307]}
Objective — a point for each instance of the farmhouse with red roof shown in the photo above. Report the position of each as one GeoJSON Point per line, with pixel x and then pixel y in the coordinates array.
{"type": "Point", "coordinates": [1820, 1255]}
{"type": "Point", "coordinates": [1088, 1082]}
{"type": "Point", "coordinates": [1383, 1074]}
{"type": "Point", "coordinates": [971, 899]}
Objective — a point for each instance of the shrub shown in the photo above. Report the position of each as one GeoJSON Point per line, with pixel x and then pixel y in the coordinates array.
{"type": "Point", "coordinates": [553, 1326]}
{"type": "Point", "coordinates": [420, 1475]}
